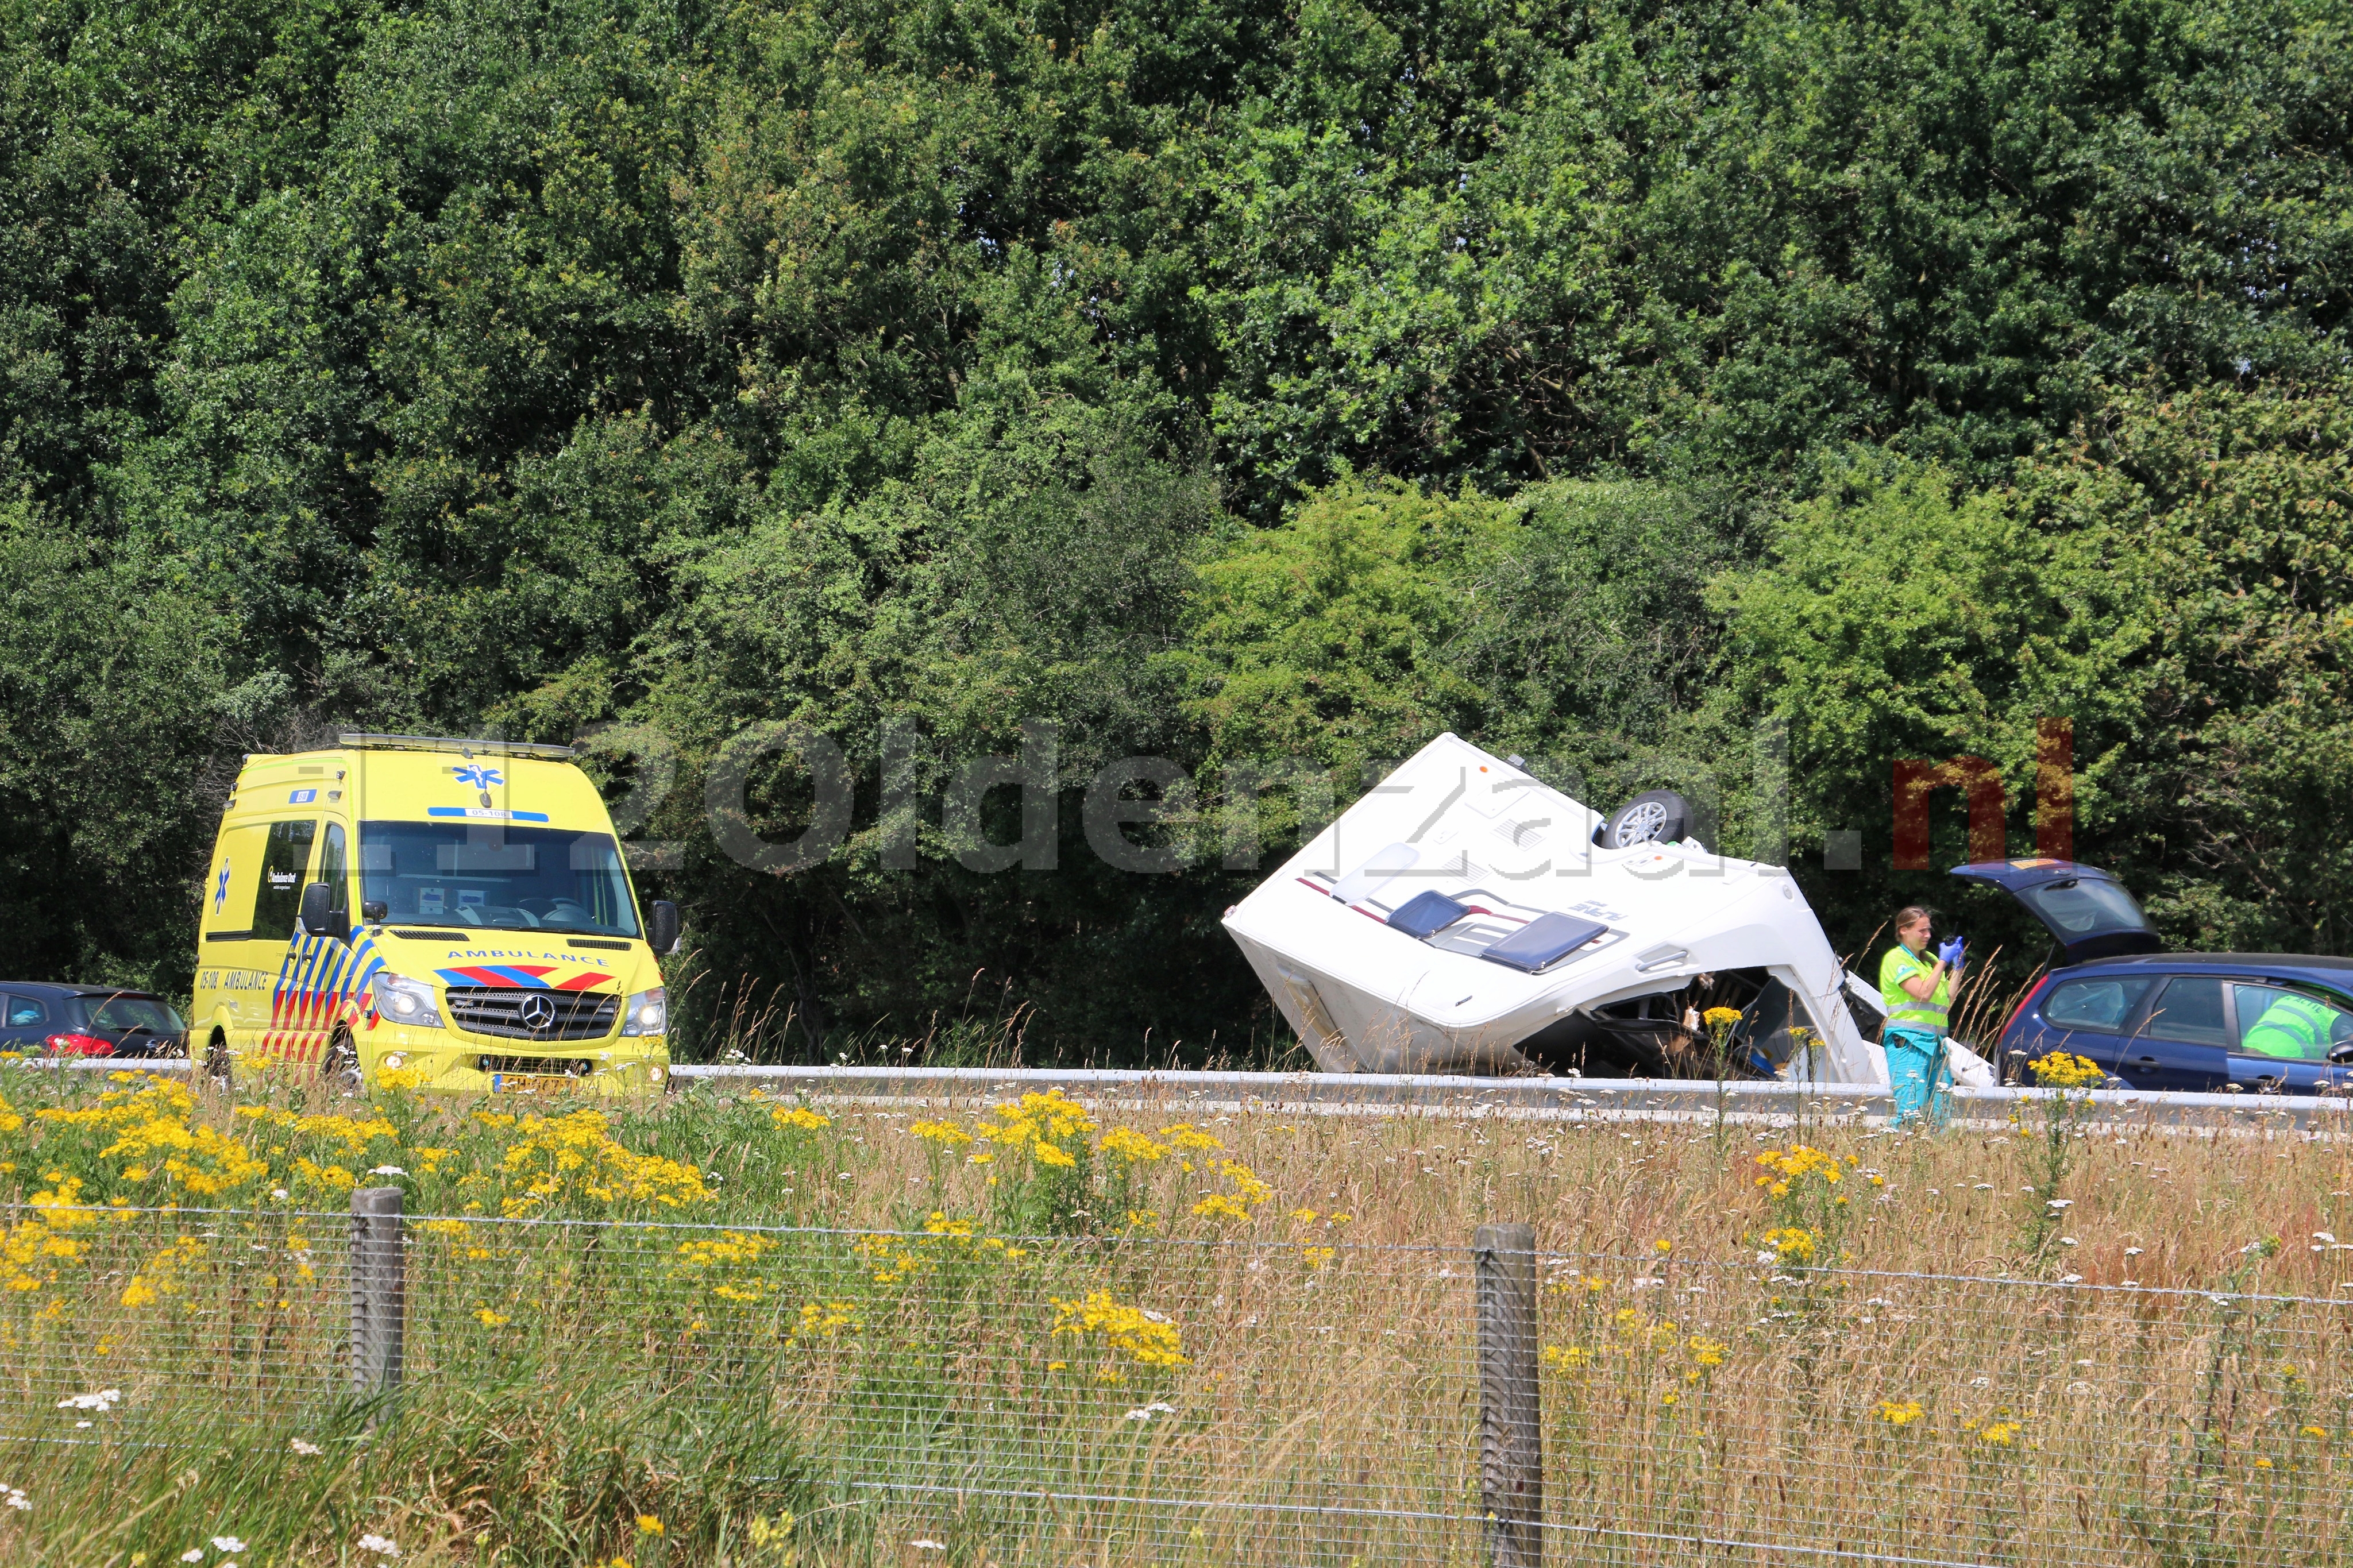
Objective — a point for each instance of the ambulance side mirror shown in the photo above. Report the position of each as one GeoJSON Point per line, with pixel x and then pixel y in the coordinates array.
{"type": "Point", "coordinates": [662, 921]}
{"type": "Point", "coordinates": [318, 909]}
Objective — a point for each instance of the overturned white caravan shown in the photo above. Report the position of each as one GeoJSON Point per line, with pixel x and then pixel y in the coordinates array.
{"type": "Point", "coordinates": [1461, 917]}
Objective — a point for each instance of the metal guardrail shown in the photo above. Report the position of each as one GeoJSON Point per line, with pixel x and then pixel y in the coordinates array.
{"type": "Point", "coordinates": [1551, 1099]}
{"type": "Point", "coordinates": [1561, 1099]}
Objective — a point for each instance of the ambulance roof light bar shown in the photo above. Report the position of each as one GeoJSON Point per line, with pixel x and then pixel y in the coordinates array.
{"type": "Point", "coordinates": [372, 742]}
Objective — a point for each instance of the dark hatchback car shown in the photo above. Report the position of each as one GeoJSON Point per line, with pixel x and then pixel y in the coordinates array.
{"type": "Point", "coordinates": [2259, 1023]}
{"type": "Point", "coordinates": [45, 1020]}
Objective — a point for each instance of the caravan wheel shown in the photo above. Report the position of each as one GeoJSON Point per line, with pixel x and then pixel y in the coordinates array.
{"type": "Point", "coordinates": [1653, 816]}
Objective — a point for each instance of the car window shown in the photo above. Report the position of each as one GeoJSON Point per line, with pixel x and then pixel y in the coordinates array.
{"type": "Point", "coordinates": [26, 1011]}
{"type": "Point", "coordinates": [277, 893]}
{"type": "Point", "coordinates": [2080, 907]}
{"type": "Point", "coordinates": [2189, 1008]}
{"type": "Point", "coordinates": [2274, 1021]}
{"type": "Point", "coordinates": [135, 1013]}
{"type": "Point", "coordinates": [2099, 1003]}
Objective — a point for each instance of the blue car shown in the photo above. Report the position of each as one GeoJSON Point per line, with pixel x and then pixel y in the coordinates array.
{"type": "Point", "coordinates": [2214, 1022]}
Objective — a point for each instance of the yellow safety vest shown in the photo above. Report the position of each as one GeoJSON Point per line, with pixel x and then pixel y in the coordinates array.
{"type": "Point", "coordinates": [1902, 964]}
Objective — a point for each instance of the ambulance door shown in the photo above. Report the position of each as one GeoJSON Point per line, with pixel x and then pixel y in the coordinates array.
{"type": "Point", "coordinates": [231, 995]}
{"type": "Point", "coordinates": [273, 943]}
{"type": "Point", "coordinates": [321, 976]}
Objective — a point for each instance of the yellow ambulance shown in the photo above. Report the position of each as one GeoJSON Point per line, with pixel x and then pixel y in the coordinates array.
{"type": "Point", "coordinates": [455, 909]}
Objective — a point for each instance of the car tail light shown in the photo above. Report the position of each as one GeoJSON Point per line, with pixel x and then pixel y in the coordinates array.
{"type": "Point", "coordinates": [79, 1046]}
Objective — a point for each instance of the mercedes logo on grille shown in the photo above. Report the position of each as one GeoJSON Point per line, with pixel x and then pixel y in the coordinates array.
{"type": "Point", "coordinates": [536, 1013]}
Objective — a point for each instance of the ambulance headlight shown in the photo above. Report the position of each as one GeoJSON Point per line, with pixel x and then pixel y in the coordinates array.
{"type": "Point", "coordinates": [648, 1013]}
{"type": "Point", "coordinates": [404, 1001]}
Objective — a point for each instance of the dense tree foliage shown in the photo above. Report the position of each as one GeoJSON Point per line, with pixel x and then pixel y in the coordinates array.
{"type": "Point", "coordinates": [1265, 388]}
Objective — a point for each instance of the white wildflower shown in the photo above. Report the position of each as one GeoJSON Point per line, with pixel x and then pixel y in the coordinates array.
{"type": "Point", "coordinates": [299, 1446]}
{"type": "Point", "coordinates": [228, 1543]}
{"type": "Point", "coordinates": [382, 1545]}
{"type": "Point", "coordinates": [103, 1400]}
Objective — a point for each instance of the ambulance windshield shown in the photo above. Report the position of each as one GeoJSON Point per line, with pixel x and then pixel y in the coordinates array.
{"type": "Point", "coordinates": [495, 876]}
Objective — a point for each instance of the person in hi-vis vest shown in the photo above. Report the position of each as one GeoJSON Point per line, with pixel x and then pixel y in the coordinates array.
{"type": "Point", "coordinates": [1918, 992]}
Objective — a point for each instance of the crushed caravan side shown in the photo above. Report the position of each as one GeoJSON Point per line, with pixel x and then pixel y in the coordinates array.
{"type": "Point", "coordinates": [1373, 987]}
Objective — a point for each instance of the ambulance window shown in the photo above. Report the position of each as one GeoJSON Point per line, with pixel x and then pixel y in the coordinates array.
{"type": "Point", "coordinates": [490, 874]}
{"type": "Point", "coordinates": [277, 893]}
{"type": "Point", "coordinates": [335, 870]}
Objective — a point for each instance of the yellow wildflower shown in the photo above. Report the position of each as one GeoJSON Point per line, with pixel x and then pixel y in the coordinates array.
{"type": "Point", "coordinates": [1130, 1145]}
{"type": "Point", "coordinates": [1039, 1123]}
{"type": "Point", "coordinates": [799, 1117]}
{"type": "Point", "coordinates": [2060, 1070]}
{"type": "Point", "coordinates": [1800, 1162]}
{"type": "Point", "coordinates": [1149, 1338]}
{"type": "Point", "coordinates": [1902, 1414]}
{"type": "Point", "coordinates": [823, 1319]}
{"type": "Point", "coordinates": [575, 1153]}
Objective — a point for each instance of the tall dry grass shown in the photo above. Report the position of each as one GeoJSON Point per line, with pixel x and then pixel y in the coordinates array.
{"type": "Point", "coordinates": [821, 1346]}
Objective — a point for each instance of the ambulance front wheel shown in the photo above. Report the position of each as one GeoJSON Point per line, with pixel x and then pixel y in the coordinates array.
{"type": "Point", "coordinates": [216, 1059]}
{"type": "Point", "coordinates": [340, 1068]}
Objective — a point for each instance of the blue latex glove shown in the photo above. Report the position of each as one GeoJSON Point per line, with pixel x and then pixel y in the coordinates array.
{"type": "Point", "coordinates": [1951, 953]}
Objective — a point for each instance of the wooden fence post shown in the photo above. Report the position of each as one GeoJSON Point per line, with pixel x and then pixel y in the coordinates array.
{"type": "Point", "coordinates": [379, 1290]}
{"type": "Point", "coordinates": [1511, 1431]}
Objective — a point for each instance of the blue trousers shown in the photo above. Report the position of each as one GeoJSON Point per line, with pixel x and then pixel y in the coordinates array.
{"type": "Point", "coordinates": [1916, 1072]}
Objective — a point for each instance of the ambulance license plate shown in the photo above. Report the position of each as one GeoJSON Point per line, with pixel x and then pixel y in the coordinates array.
{"type": "Point", "coordinates": [530, 1083]}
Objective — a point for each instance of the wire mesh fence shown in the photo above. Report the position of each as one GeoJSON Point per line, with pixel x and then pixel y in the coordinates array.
{"type": "Point", "coordinates": [1141, 1399]}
